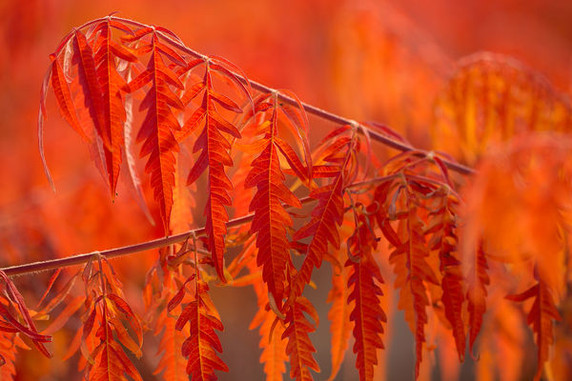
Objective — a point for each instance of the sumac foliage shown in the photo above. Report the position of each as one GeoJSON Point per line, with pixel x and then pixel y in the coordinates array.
{"type": "Point", "coordinates": [459, 245]}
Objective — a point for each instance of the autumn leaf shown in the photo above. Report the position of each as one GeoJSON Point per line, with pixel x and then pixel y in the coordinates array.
{"type": "Point", "coordinates": [214, 147]}
{"type": "Point", "coordinates": [339, 165]}
{"type": "Point", "coordinates": [271, 220]}
{"type": "Point", "coordinates": [367, 313]}
{"type": "Point", "coordinates": [299, 347]}
{"type": "Point", "coordinates": [202, 343]}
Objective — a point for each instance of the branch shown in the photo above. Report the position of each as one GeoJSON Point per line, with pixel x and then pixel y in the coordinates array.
{"type": "Point", "coordinates": [310, 109]}
{"type": "Point", "coordinates": [169, 240]}
{"type": "Point", "coordinates": [79, 259]}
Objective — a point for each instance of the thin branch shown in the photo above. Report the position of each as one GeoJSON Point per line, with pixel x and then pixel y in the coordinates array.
{"type": "Point", "coordinates": [310, 109]}
{"type": "Point", "coordinates": [165, 241]}
{"type": "Point", "coordinates": [79, 259]}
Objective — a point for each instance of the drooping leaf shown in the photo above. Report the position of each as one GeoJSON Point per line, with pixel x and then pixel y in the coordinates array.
{"type": "Point", "coordinates": [202, 345]}
{"type": "Point", "coordinates": [172, 364]}
{"type": "Point", "coordinates": [62, 91]}
{"type": "Point", "coordinates": [367, 313]}
{"type": "Point", "coordinates": [160, 124]}
{"type": "Point", "coordinates": [409, 257]}
{"type": "Point", "coordinates": [10, 323]}
{"type": "Point", "coordinates": [214, 146]}
{"type": "Point", "coordinates": [273, 345]}
{"type": "Point", "coordinates": [339, 158]}
{"type": "Point", "coordinates": [299, 347]}
{"type": "Point", "coordinates": [103, 334]}
{"type": "Point", "coordinates": [9, 344]}
{"type": "Point", "coordinates": [109, 109]}
{"type": "Point", "coordinates": [444, 239]}
{"type": "Point", "coordinates": [339, 316]}
{"type": "Point", "coordinates": [541, 317]}
{"type": "Point", "coordinates": [271, 219]}
{"type": "Point", "coordinates": [477, 280]}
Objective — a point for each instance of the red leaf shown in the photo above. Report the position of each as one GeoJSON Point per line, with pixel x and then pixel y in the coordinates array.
{"type": "Point", "coordinates": [112, 117]}
{"type": "Point", "coordinates": [63, 95]}
{"type": "Point", "coordinates": [299, 347]}
{"type": "Point", "coordinates": [328, 214]}
{"type": "Point", "coordinates": [444, 239]}
{"type": "Point", "coordinates": [214, 155]}
{"type": "Point", "coordinates": [541, 317]}
{"type": "Point", "coordinates": [477, 280]}
{"type": "Point", "coordinates": [367, 313]}
{"type": "Point", "coordinates": [103, 351]}
{"type": "Point", "coordinates": [202, 343]}
{"type": "Point", "coordinates": [339, 316]}
{"type": "Point", "coordinates": [159, 128]}
{"type": "Point", "coordinates": [16, 299]}
{"type": "Point", "coordinates": [172, 362]}
{"type": "Point", "coordinates": [409, 262]}
{"type": "Point", "coordinates": [271, 219]}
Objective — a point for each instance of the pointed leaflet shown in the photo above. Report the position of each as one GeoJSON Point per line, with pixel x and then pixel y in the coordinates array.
{"type": "Point", "coordinates": [160, 125]}
{"type": "Point", "coordinates": [109, 109]}
{"type": "Point", "coordinates": [104, 334]}
{"type": "Point", "coordinates": [62, 91]}
{"type": "Point", "coordinates": [270, 216]}
{"type": "Point", "coordinates": [201, 346]}
{"type": "Point", "coordinates": [162, 302]}
{"type": "Point", "coordinates": [444, 239]}
{"type": "Point", "coordinates": [299, 347]}
{"type": "Point", "coordinates": [12, 300]}
{"type": "Point", "coordinates": [130, 159]}
{"type": "Point", "coordinates": [273, 346]}
{"type": "Point", "coordinates": [339, 164]}
{"type": "Point", "coordinates": [366, 314]}
{"type": "Point", "coordinates": [87, 77]}
{"type": "Point", "coordinates": [408, 256]}
{"type": "Point", "coordinates": [9, 344]}
{"type": "Point", "coordinates": [98, 84]}
{"type": "Point", "coordinates": [541, 316]}
{"type": "Point", "coordinates": [41, 116]}
{"type": "Point", "coordinates": [214, 156]}
{"type": "Point", "coordinates": [339, 316]}
{"type": "Point", "coordinates": [271, 330]}
{"type": "Point", "coordinates": [477, 280]}
{"type": "Point", "coordinates": [172, 364]}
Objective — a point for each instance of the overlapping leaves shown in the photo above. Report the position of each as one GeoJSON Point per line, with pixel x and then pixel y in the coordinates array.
{"type": "Point", "coordinates": [202, 344]}
{"type": "Point", "coordinates": [102, 67]}
{"type": "Point", "coordinates": [271, 220]}
{"type": "Point", "coordinates": [338, 163]}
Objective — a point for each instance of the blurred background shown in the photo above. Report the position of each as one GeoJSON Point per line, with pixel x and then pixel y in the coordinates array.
{"type": "Point", "coordinates": [383, 61]}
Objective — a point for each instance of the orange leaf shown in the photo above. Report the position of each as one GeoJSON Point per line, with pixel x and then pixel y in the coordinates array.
{"type": "Point", "coordinates": [299, 347]}
{"type": "Point", "coordinates": [339, 316]}
{"type": "Point", "coordinates": [271, 220]}
{"type": "Point", "coordinates": [541, 317]}
{"type": "Point", "coordinates": [203, 343]}
{"type": "Point", "coordinates": [214, 155]}
{"type": "Point", "coordinates": [366, 314]}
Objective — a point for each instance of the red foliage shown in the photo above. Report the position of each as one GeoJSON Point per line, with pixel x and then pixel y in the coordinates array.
{"type": "Point", "coordinates": [462, 242]}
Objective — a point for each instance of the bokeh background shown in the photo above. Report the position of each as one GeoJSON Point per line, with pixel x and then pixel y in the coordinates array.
{"type": "Point", "coordinates": [383, 61]}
